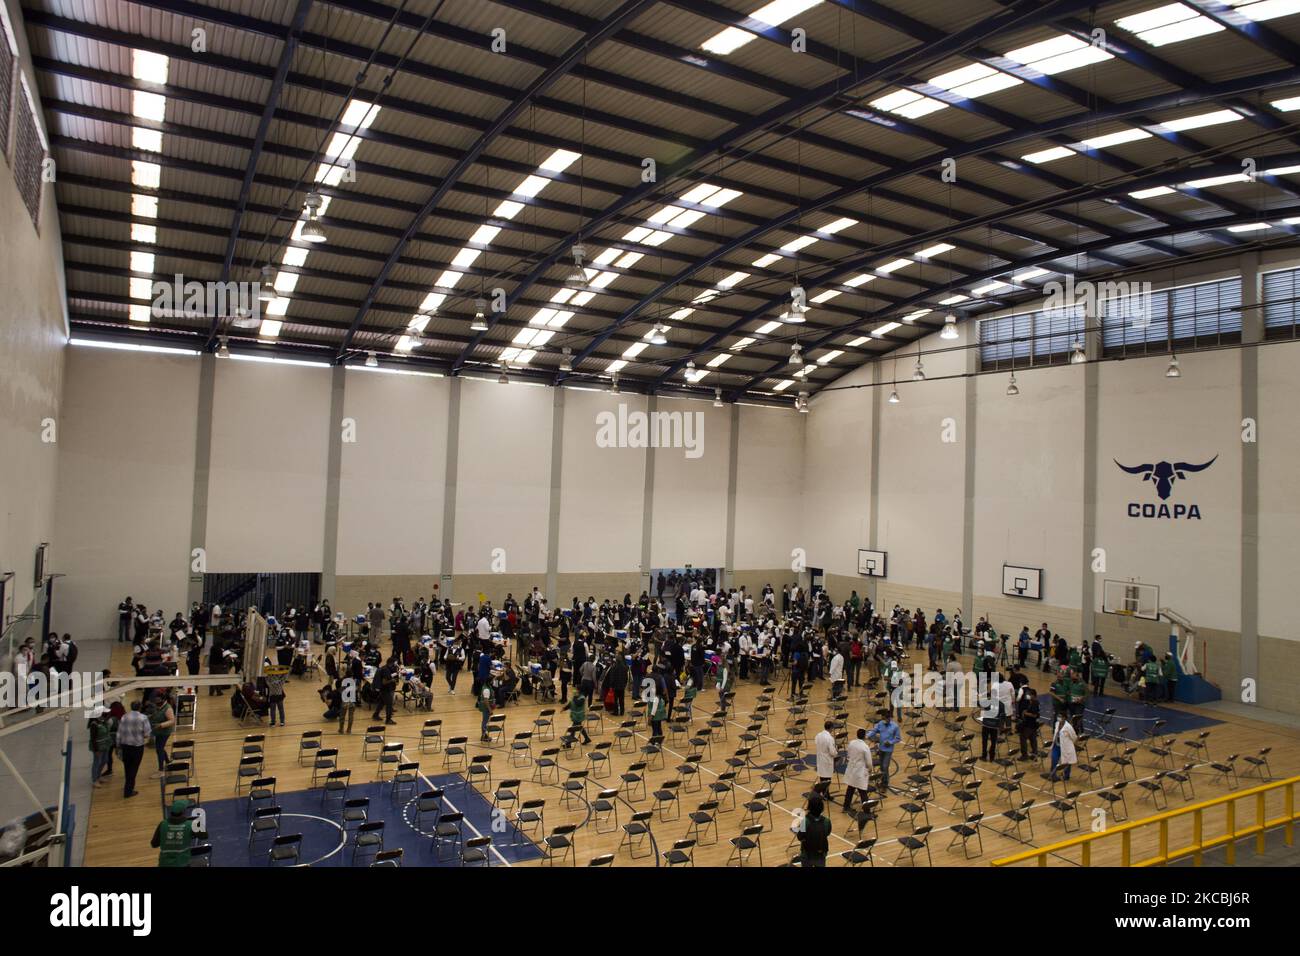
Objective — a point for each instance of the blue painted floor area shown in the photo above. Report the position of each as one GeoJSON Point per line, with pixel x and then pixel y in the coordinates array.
{"type": "Point", "coordinates": [1134, 714]}
{"type": "Point", "coordinates": [323, 842]}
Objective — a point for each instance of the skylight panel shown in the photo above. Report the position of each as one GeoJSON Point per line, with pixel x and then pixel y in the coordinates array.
{"type": "Point", "coordinates": [768, 327]}
{"type": "Point", "coordinates": [1047, 155]}
{"type": "Point", "coordinates": [860, 340]}
{"type": "Point", "coordinates": [782, 385]}
{"type": "Point", "coordinates": [146, 207]}
{"type": "Point", "coordinates": [763, 262]}
{"type": "Point", "coordinates": [953, 299]}
{"type": "Point", "coordinates": [1152, 192]}
{"type": "Point", "coordinates": [1117, 138]}
{"type": "Point", "coordinates": [988, 287]}
{"type": "Point", "coordinates": [149, 106]}
{"type": "Point", "coordinates": [830, 356]}
{"type": "Point", "coordinates": [142, 262]}
{"type": "Point", "coordinates": [559, 161]}
{"type": "Point", "coordinates": [1027, 274]}
{"type": "Point", "coordinates": [1204, 119]}
{"type": "Point", "coordinates": [893, 266]}
{"type": "Point", "coordinates": [825, 296]}
{"type": "Point", "coordinates": [145, 175]}
{"type": "Point", "coordinates": [1059, 54]}
{"type": "Point", "coordinates": [484, 234]}
{"type": "Point", "coordinates": [938, 249]}
{"type": "Point", "coordinates": [142, 232]}
{"type": "Point", "coordinates": [773, 14]}
{"type": "Point", "coordinates": [860, 279]}
{"type": "Point", "coordinates": [718, 360]}
{"type": "Point", "coordinates": [359, 114]}
{"type": "Point", "coordinates": [150, 67]}
{"type": "Point", "coordinates": [149, 140]}
{"type": "Point", "coordinates": [886, 328]}
{"type": "Point", "coordinates": [1287, 105]}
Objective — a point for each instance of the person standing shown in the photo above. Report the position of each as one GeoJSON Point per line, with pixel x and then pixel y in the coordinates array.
{"type": "Point", "coordinates": [132, 734]}
{"type": "Point", "coordinates": [813, 831]}
{"type": "Point", "coordinates": [452, 662]}
{"type": "Point", "coordinates": [826, 754]}
{"type": "Point", "coordinates": [347, 703]}
{"type": "Point", "coordinates": [1100, 667]}
{"type": "Point", "coordinates": [1063, 750]}
{"type": "Point", "coordinates": [386, 684]}
{"type": "Point", "coordinates": [616, 680]}
{"type": "Point", "coordinates": [101, 745]}
{"type": "Point", "coordinates": [857, 772]}
{"type": "Point", "coordinates": [836, 674]}
{"type": "Point", "coordinates": [275, 696]}
{"type": "Point", "coordinates": [887, 734]}
{"type": "Point", "coordinates": [125, 613]}
{"type": "Point", "coordinates": [1027, 722]}
{"type": "Point", "coordinates": [216, 663]}
{"type": "Point", "coordinates": [484, 706]}
{"type": "Point", "coordinates": [162, 721]}
{"type": "Point", "coordinates": [174, 836]}
{"type": "Point", "coordinates": [1169, 669]}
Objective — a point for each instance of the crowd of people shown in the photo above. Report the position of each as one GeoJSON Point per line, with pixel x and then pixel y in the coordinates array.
{"type": "Point", "coordinates": [660, 652]}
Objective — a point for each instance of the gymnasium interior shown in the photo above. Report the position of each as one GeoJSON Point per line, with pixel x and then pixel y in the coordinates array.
{"type": "Point", "coordinates": [642, 433]}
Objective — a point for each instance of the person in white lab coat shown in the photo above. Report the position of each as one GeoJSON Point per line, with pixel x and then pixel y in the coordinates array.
{"type": "Point", "coordinates": [826, 754]}
{"type": "Point", "coordinates": [836, 674]}
{"type": "Point", "coordinates": [857, 775]}
{"type": "Point", "coordinates": [1063, 751]}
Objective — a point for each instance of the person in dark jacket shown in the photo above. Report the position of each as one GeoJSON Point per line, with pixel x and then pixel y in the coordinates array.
{"type": "Point", "coordinates": [616, 680]}
{"type": "Point", "coordinates": [216, 663]}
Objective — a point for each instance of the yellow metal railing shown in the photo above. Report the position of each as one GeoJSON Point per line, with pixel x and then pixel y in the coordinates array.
{"type": "Point", "coordinates": [1199, 843]}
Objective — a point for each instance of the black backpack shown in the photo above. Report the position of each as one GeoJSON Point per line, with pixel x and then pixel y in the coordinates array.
{"type": "Point", "coordinates": [815, 834]}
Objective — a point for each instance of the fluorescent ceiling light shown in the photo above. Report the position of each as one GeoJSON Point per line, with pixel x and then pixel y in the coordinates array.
{"type": "Point", "coordinates": [1282, 171]}
{"type": "Point", "coordinates": [839, 225]}
{"type": "Point", "coordinates": [1115, 139]}
{"type": "Point", "coordinates": [1047, 155]}
{"type": "Point", "coordinates": [146, 207]}
{"type": "Point", "coordinates": [783, 385]}
{"type": "Point", "coordinates": [773, 14]}
{"type": "Point", "coordinates": [732, 279]}
{"type": "Point", "coordinates": [150, 67]}
{"type": "Point", "coordinates": [1249, 227]}
{"type": "Point", "coordinates": [741, 343]}
{"type": "Point", "coordinates": [825, 296]}
{"type": "Point", "coordinates": [145, 175]}
{"type": "Point", "coordinates": [830, 356]}
{"type": "Point", "coordinates": [762, 262]}
{"type": "Point", "coordinates": [860, 340]}
{"type": "Point", "coordinates": [953, 299]}
{"type": "Point", "coordinates": [1031, 273]}
{"type": "Point", "coordinates": [913, 316]}
{"type": "Point", "coordinates": [1204, 119]}
{"type": "Point", "coordinates": [1152, 192]}
{"type": "Point", "coordinates": [860, 279]}
{"type": "Point", "coordinates": [699, 193]}
{"type": "Point", "coordinates": [938, 249]}
{"type": "Point", "coordinates": [718, 360]}
{"type": "Point", "coordinates": [1286, 105]}
{"type": "Point", "coordinates": [559, 161]}
{"type": "Point", "coordinates": [886, 328]}
{"type": "Point", "coordinates": [359, 114]}
{"type": "Point", "coordinates": [149, 140]}
{"type": "Point", "coordinates": [1218, 180]}
{"type": "Point", "coordinates": [893, 266]}
{"type": "Point", "coordinates": [1059, 54]}
{"type": "Point", "coordinates": [988, 287]}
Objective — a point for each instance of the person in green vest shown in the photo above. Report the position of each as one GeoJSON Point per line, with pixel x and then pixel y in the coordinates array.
{"type": "Point", "coordinates": [1100, 671]}
{"type": "Point", "coordinates": [1151, 674]}
{"type": "Point", "coordinates": [1060, 691]}
{"type": "Point", "coordinates": [174, 836]}
{"type": "Point", "coordinates": [1169, 670]}
{"type": "Point", "coordinates": [1078, 697]}
{"type": "Point", "coordinates": [856, 603]}
{"type": "Point", "coordinates": [947, 644]}
{"type": "Point", "coordinates": [1076, 659]}
{"type": "Point", "coordinates": [578, 720]}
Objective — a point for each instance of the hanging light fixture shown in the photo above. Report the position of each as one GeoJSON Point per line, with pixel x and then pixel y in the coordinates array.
{"type": "Point", "coordinates": [657, 336]}
{"type": "Point", "coordinates": [1077, 356]}
{"type": "Point", "coordinates": [893, 397]}
{"type": "Point", "coordinates": [801, 403]}
{"type": "Point", "coordinates": [1012, 387]}
{"type": "Point", "coordinates": [798, 304]}
{"type": "Point", "coordinates": [372, 360]}
{"type": "Point", "coordinates": [266, 288]}
{"type": "Point", "coordinates": [480, 316]}
{"type": "Point", "coordinates": [949, 327]}
{"type": "Point", "coordinates": [566, 359]}
{"type": "Point", "coordinates": [613, 385]}
{"type": "Point", "coordinates": [311, 230]}
{"type": "Point", "coordinates": [577, 279]}
{"type": "Point", "coordinates": [717, 398]}
{"type": "Point", "coordinates": [796, 354]}
{"type": "Point", "coordinates": [1173, 371]}
{"type": "Point", "coordinates": [503, 378]}
{"type": "Point", "coordinates": [918, 375]}
{"type": "Point", "coordinates": [223, 348]}
{"type": "Point", "coordinates": [689, 373]}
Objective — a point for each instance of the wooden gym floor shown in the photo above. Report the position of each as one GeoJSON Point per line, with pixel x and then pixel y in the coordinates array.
{"type": "Point", "coordinates": [119, 830]}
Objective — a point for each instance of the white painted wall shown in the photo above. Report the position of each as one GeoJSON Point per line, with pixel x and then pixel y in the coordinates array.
{"type": "Point", "coordinates": [33, 331]}
{"type": "Point", "coordinates": [769, 485]}
{"type": "Point", "coordinates": [270, 447]}
{"type": "Point", "coordinates": [1145, 418]}
{"type": "Point", "coordinates": [392, 478]}
{"type": "Point", "coordinates": [126, 484]}
{"type": "Point", "coordinates": [602, 490]}
{"type": "Point", "coordinates": [690, 503]}
{"type": "Point", "coordinates": [921, 475]}
{"type": "Point", "coordinates": [1279, 484]}
{"type": "Point", "coordinates": [1029, 483]}
{"type": "Point", "coordinates": [503, 490]}
{"type": "Point", "coordinates": [837, 474]}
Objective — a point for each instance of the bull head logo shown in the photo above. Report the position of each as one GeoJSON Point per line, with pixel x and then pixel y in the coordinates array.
{"type": "Point", "coordinates": [1165, 474]}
